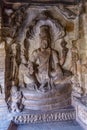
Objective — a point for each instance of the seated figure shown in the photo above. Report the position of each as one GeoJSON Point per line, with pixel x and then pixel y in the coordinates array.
{"type": "Point", "coordinates": [47, 60]}
{"type": "Point", "coordinates": [42, 77]}
{"type": "Point", "coordinates": [43, 71]}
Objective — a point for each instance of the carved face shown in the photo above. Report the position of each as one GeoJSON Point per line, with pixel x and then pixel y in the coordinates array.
{"type": "Point", "coordinates": [44, 43]}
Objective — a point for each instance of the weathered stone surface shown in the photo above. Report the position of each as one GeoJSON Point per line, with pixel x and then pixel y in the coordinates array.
{"type": "Point", "coordinates": [55, 99]}
{"type": "Point", "coordinates": [44, 67]}
{"type": "Point", "coordinates": [42, 49]}
{"type": "Point", "coordinates": [38, 116]}
{"type": "Point", "coordinates": [70, 125]}
{"type": "Point", "coordinates": [81, 110]}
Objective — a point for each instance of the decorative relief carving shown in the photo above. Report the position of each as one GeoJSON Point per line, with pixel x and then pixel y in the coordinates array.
{"type": "Point", "coordinates": [64, 51]}
{"type": "Point", "coordinates": [75, 57]}
{"type": "Point", "coordinates": [45, 59]}
{"type": "Point", "coordinates": [45, 117]}
{"type": "Point", "coordinates": [13, 56]}
{"type": "Point", "coordinates": [76, 84]}
{"type": "Point", "coordinates": [67, 13]}
{"type": "Point", "coordinates": [36, 53]}
{"type": "Point", "coordinates": [84, 66]}
{"type": "Point", "coordinates": [30, 80]}
{"type": "Point", "coordinates": [84, 100]}
{"type": "Point", "coordinates": [76, 87]}
{"type": "Point", "coordinates": [38, 76]}
{"type": "Point", "coordinates": [15, 100]}
{"type": "Point", "coordinates": [82, 114]}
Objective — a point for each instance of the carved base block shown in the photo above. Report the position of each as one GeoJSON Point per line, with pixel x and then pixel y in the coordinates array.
{"type": "Point", "coordinates": [55, 99]}
{"type": "Point", "coordinates": [81, 111]}
{"type": "Point", "coordinates": [40, 117]}
{"type": "Point", "coordinates": [82, 114]}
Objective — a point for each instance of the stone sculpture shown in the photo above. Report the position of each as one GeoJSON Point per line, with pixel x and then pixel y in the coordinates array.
{"type": "Point", "coordinates": [76, 87]}
{"type": "Point", "coordinates": [29, 78]}
{"type": "Point", "coordinates": [75, 57]}
{"type": "Point", "coordinates": [84, 66]}
{"type": "Point", "coordinates": [14, 62]}
{"type": "Point", "coordinates": [84, 100]}
{"type": "Point", "coordinates": [43, 70]}
{"type": "Point", "coordinates": [41, 65]}
{"type": "Point", "coordinates": [38, 69]}
{"type": "Point", "coordinates": [66, 12]}
{"type": "Point", "coordinates": [47, 61]}
{"type": "Point", "coordinates": [64, 51]}
{"type": "Point", "coordinates": [15, 100]}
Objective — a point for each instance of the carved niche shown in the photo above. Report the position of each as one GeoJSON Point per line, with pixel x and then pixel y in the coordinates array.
{"type": "Point", "coordinates": [38, 44]}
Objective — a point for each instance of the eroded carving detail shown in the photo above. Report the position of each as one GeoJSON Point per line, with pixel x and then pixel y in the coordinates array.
{"type": "Point", "coordinates": [64, 51]}
{"type": "Point", "coordinates": [67, 13]}
{"type": "Point", "coordinates": [82, 114]}
{"type": "Point", "coordinates": [35, 58]}
{"type": "Point", "coordinates": [45, 57]}
{"type": "Point", "coordinates": [84, 66]}
{"type": "Point", "coordinates": [75, 57]}
{"type": "Point", "coordinates": [45, 117]}
{"type": "Point", "coordinates": [15, 100]}
{"type": "Point", "coordinates": [48, 70]}
{"type": "Point", "coordinates": [30, 78]}
{"type": "Point", "coordinates": [77, 88]}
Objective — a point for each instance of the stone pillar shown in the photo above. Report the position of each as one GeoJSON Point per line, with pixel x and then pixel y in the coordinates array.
{"type": "Point", "coordinates": [84, 53]}
{"type": "Point", "coordinates": [81, 103]}
{"type": "Point", "coordinates": [2, 62]}
{"type": "Point", "coordinates": [3, 106]}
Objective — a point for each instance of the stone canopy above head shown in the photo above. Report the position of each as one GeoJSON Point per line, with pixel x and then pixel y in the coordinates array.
{"type": "Point", "coordinates": [42, 27]}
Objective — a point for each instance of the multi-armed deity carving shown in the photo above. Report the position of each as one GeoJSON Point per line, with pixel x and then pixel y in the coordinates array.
{"type": "Point", "coordinates": [37, 54]}
{"type": "Point", "coordinates": [43, 70]}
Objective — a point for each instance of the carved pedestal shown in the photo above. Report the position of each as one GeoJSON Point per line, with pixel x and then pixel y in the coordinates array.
{"type": "Point", "coordinates": [55, 99]}
{"type": "Point", "coordinates": [81, 110]}
{"type": "Point", "coordinates": [43, 116]}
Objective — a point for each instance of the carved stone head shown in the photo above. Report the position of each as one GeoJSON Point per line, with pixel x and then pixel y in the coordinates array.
{"type": "Point", "coordinates": [44, 31]}
{"type": "Point", "coordinates": [45, 38]}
